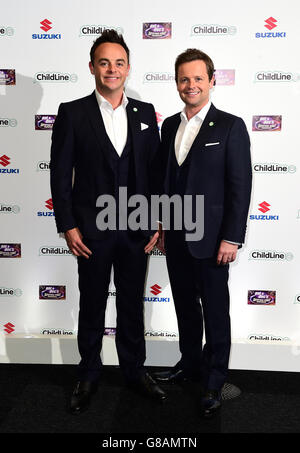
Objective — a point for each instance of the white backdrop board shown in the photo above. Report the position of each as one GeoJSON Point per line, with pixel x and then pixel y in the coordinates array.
{"type": "Point", "coordinates": [44, 55]}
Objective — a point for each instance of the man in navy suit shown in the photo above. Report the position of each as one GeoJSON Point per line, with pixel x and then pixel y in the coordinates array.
{"type": "Point", "coordinates": [206, 152]}
{"type": "Point", "coordinates": [101, 143]}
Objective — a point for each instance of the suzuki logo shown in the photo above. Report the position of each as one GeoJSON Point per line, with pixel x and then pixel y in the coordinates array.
{"type": "Point", "coordinates": [9, 327]}
{"type": "Point", "coordinates": [158, 117]}
{"type": "Point", "coordinates": [156, 289]}
{"type": "Point", "coordinates": [4, 160]}
{"type": "Point", "coordinates": [46, 25]}
{"type": "Point", "coordinates": [264, 207]}
{"type": "Point", "coordinates": [49, 203]}
{"type": "Point", "coordinates": [270, 23]}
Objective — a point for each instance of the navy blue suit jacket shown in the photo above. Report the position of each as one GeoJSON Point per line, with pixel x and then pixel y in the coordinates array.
{"type": "Point", "coordinates": [219, 169]}
{"type": "Point", "coordinates": [80, 165]}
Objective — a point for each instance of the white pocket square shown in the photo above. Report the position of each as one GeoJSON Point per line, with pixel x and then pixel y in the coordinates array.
{"type": "Point", "coordinates": [212, 144]}
{"type": "Point", "coordinates": [144, 126]}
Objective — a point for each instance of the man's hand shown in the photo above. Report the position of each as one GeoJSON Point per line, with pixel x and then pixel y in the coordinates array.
{"type": "Point", "coordinates": [227, 253]}
{"type": "Point", "coordinates": [75, 244]}
{"type": "Point", "coordinates": [152, 242]}
{"type": "Point", "coordinates": [157, 239]}
{"type": "Point", "coordinates": [161, 241]}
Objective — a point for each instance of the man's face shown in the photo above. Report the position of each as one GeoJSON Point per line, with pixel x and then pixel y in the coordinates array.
{"type": "Point", "coordinates": [110, 68]}
{"type": "Point", "coordinates": [193, 84]}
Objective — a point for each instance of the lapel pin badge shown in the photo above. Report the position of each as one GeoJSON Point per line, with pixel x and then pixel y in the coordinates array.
{"type": "Point", "coordinates": [211, 123]}
{"type": "Point", "coordinates": [135, 109]}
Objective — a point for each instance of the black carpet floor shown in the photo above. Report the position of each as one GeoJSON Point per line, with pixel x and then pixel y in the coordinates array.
{"type": "Point", "coordinates": [34, 399]}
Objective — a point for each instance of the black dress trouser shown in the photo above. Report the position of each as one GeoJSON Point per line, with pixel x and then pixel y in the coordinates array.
{"type": "Point", "coordinates": [201, 296]}
{"type": "Point", "coordinates": [124, 251]}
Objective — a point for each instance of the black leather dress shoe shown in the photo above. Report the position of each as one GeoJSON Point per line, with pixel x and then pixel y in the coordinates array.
{"type": "Point", "coordinates": [81, 396]}
{"type": "Point", "coordinates": [210, 403]}
{"type": "Point", "coordinates": [148, 387]}
{"type": "Point", "coordinates": [170, 376]}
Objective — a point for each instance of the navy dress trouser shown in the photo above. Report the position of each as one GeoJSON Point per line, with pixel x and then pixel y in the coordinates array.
{"type": "Point", "coordinates": [201, 296]}
{"type": "Point", "coordinates": [125, 252]}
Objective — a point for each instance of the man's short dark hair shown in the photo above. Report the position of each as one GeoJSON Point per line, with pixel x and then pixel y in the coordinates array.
{"type": "Point", "coordinates": [192, 55]}
{"type": "Point", "coordinates": [109, 35]}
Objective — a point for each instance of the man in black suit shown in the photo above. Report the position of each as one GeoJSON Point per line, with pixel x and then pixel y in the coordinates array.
{"type": "Point", "coordinates": [106, 142]}
{"type": "Point", "coordinates": [206, 152]}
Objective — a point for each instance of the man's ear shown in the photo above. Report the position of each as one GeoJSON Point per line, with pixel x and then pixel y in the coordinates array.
{"type": "Point", "coordinates": [91, 66]}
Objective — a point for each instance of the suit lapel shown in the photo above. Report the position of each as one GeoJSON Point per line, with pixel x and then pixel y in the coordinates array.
{"type": "Point", "coordinates": [95, 118]}
{"type": "Point", "coordinates": [206, 128]}
{"type": "Point", "coordinates": [134, 128]}
{"type": "Point", "coordinates": [134, 125]}
{"type": "Point", "coordinates": [171, 151]}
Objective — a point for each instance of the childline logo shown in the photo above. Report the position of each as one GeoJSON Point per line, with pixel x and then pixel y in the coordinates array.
{"type": "Point", "coordinates": [45, 77]}
{"type": "Point", "coordinates": [276, 76]}
{"type": "Point", "coordinates": [158, 77]}
{"type": "Point", "coordinates": [56, 331]}
{"type": "Point", "coordinates": [43, 165]}
{"type": "Point", "coordinates": [273, 168]}
{"type": "Point", "coordinates": [213, 30]}
{"type": "Point", "coordinates": [95, 30]}
{"type": "Point", "coordinates": [271, 255]}
{"type": "Point", "coordinates": [8, 122]}
{"type": "Point", "coordinates": [55, 251]}
{"type": "Point", "coordinates": [297, 299]}
{"type": "Point", "coordinates": [10, 292]}
{"type": "Point", "coordinates": [266, 337]}
{"type": "Point", "coordinates": [6, 31]}
{"type": "Point", "coordinates": [6, 208]}
{"type": "Point", "coordinates": [160, 333]}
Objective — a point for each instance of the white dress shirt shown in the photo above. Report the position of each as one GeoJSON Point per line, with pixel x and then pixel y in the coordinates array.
{"type": "Point", "coordinates": [115, 121]}
{"type": "Point", "coordinates": [187, 132]}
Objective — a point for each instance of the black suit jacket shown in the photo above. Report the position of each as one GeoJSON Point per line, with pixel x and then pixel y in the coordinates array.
{"type": "Point", "coordinates": [219, 169]}
{"type": "Point", "coordinates": [80, 165]}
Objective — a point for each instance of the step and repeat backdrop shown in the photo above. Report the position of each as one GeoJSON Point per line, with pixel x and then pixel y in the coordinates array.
{"type": "Point", "coordinates": [44, 56]}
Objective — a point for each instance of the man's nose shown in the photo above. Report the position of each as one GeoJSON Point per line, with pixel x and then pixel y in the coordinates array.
{"type": "Point", "coordinates": [111, 67]}
{"type": "Point", "coordinates": [191, 84]}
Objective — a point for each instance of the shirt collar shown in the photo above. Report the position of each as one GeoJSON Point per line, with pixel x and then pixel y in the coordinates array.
{"type": "Point", "coordinates": [104, 103]}
{"type": "Point", "coordinates": [200, 116]}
